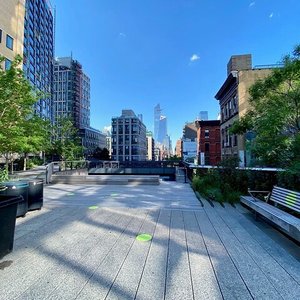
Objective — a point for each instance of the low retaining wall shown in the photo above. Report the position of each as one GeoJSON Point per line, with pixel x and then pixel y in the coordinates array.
{"type": "Point", "coordinates": [105, 179]}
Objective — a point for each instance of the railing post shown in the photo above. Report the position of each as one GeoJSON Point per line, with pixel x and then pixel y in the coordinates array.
{"type": "Point", "coordinates": [46, 175]}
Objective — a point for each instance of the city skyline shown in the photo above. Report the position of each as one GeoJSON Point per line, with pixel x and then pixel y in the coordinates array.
{"type": "Point", "coordinates": [145, 53]}
{"type": "Point", "coordinates": [138, 54]}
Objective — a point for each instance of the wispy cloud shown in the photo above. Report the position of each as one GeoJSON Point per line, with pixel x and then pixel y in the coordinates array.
{"type": "Point", "coordinates": [271, 15]}
{"type": "Point", "coordinates": [194, 57]}
{"type": "Point", "coordinates": [122, 34]}
{"type": "Point", "coordinates": [107, 128]}
{"type": "Point", "coordinates": [252, 4]}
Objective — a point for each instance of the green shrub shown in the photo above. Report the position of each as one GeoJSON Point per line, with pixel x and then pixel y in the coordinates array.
{"type": "Point", "coordinates": [232, 196]}
{"type": "Point", "coordinates": [196, 183]}
{"type": "Point", "coordinates": [215, 194]}
{"type": "Point", "coordinates": [290, 179]}
{"type": "Point", "coordinates": [34, 162]}
{"type": "Point", "coordinates": [3, 175]}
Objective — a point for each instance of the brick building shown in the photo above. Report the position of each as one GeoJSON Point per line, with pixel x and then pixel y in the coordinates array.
{"type": "Point", "coordinates": [209, 142]}
{"type": "Point", "coordinates": [233, 97]}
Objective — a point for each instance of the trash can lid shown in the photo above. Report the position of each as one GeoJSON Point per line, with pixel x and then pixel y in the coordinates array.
{"type": "Point", "coordinates": [18, 184]}
{"type": "Point", "coordinates": [31, 181]}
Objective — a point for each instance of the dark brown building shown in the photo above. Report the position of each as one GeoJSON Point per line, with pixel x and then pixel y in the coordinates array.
{"type": "Point", "coordinates": [209, 142]}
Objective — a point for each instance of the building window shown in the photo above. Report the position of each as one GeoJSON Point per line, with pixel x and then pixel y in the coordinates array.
{"type": "Point", "coordinates": [7, 64]}
{"type": "Point", "coordinates": [206, 147]}
{"type": "Point", "coordinates": [235, 140]}
{"type": "Point", "coordinates": [206, 133]}
{"type": "Point", "coordinates": [9, 42]}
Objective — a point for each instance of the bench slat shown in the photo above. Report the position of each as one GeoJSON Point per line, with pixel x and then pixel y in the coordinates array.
{"type": "Point", "coordinates": [289, 223]}
{"type": "Point", "coordinates": [286, 198]}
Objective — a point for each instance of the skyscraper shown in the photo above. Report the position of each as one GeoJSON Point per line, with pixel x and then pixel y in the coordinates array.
{"type": "Point", "coordinates": [157, 114]}
{"type": "Point", "coordinates": [203, 115]}
{"type": "Point", "coordinates": [162, 129]}
{"type": "Point", "coordinates": [39, 52]}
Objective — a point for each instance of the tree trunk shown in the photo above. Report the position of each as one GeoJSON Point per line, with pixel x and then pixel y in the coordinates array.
{"type": "Point", "coordinates": [12, 167]}
{"type": "Point", "coordinates": [6, 164]}
{"type": "Point", "coordinates": [25, 162]}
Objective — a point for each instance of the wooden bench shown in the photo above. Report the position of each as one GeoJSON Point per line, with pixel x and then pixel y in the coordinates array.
{"type": "Point", "coordinates": [288, 223]}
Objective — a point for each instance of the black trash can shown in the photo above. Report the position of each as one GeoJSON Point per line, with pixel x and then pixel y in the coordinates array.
{"type": "Point", "coordinates": [35, 193]}
{"type": "Point", "coordinates": [8, 211]}
{"type": "Point", "coordinates": [17, 188]}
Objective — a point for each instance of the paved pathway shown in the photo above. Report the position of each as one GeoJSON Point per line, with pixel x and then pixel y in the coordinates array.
{"type": "Point", "coordinates": [68, 251]}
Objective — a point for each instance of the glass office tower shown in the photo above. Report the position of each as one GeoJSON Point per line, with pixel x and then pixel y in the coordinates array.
{"type": "Point", "coordinates": [39, 52]}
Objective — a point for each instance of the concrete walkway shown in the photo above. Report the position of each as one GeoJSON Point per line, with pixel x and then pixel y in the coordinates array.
{"type": "Point", "coordinates": [82, 245]}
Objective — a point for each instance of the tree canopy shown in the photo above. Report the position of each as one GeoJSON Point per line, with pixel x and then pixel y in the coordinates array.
{"type": "Point", "coordinates": [101, 154]}
{"type": "Point", "coordinates": [274, 116]}
{"type": "Point", "coordinates": [65, 140]}
{"type": "Point", "coordinates": [21, 130]}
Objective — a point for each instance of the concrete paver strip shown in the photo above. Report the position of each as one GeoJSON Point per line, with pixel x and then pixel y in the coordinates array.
{"type": "Point", "coordinates": [205, 284]}
{"type": "Point", "coordinates": [256, 280]}
{"type": "Point", "coordinates": [67, 251]}
{"type": "Point", "coordinates": [231, 284]}
{"type": "Point", "coordinates": [242, 226]}
{"type": "Point", "coordinates": [72, 253]}
{"type": "Point", "coordinates": [78, 273]}
{"type": "Point", "coordinates": [152, 283]}
{"type": "Point", "coordinates": [101, 280]}
{"type": "Point", "coordinates": [127, 280]}
{"type": "Point", "coordinates": [34, 239]}
{"type": "Point", "coordinates": [42, 260]}
{"type": "Point", "coordinates": [178, 287]}
{"type": "Point", "coordinates": [284, 284]}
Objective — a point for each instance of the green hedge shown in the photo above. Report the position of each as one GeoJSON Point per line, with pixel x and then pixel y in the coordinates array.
{"type": "Point", "coordinates": [227, 184]}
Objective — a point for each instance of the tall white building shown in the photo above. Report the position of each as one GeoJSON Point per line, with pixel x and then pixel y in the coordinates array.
{"type": "Point", "coordinates": [150, 146]}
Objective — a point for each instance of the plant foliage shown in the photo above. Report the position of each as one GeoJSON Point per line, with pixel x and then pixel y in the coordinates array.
{"type": "Point", "coordinates": [275, 114]}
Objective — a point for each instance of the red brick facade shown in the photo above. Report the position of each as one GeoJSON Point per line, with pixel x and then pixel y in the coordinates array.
{"type": "Point", "coordinates": [209, 142]}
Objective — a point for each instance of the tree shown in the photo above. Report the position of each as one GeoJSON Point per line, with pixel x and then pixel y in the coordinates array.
{"type": "Point", "coordinates": [101, 154]}
{"type": "Point", "coordinates": [21, 131]}
{"type": "Point", "coordinates": [65, 140]}
{"type": "Point", "coordinates": [274, 116]}
{"type": "Point", "coordinates": [175, 158]}
{"type": "Point", "coordinates": [37, 137]}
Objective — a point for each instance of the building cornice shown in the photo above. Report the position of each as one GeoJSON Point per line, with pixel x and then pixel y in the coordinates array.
{"type": "Point", "coordinates": [230, 80]}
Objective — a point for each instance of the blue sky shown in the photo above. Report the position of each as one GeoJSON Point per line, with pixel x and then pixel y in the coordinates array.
{"type": "Point", "coordinates": [139, 53]}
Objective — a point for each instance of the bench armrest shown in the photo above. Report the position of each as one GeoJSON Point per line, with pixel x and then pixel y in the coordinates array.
{"type": "Point", "coordinates": [252, 192]}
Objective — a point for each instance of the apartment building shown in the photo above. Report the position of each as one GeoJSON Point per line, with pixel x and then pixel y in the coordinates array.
{"type": "Point", "coordinates": [12, 14]}
{"type": "Point", "coordinates": [91, 139]}
{"type": "Point", "coordinates": [71, 97]}
{"type": "Point", "coordinates": [233, 97]}
{"type": "Point", "coordinates": [71, 91]}
{"type": "Point", "coordinates": [128, 137]}
{"type": "Point", "coordinates": [208, 142]}
{"type": "Point", "coordinates": [189, 142]}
